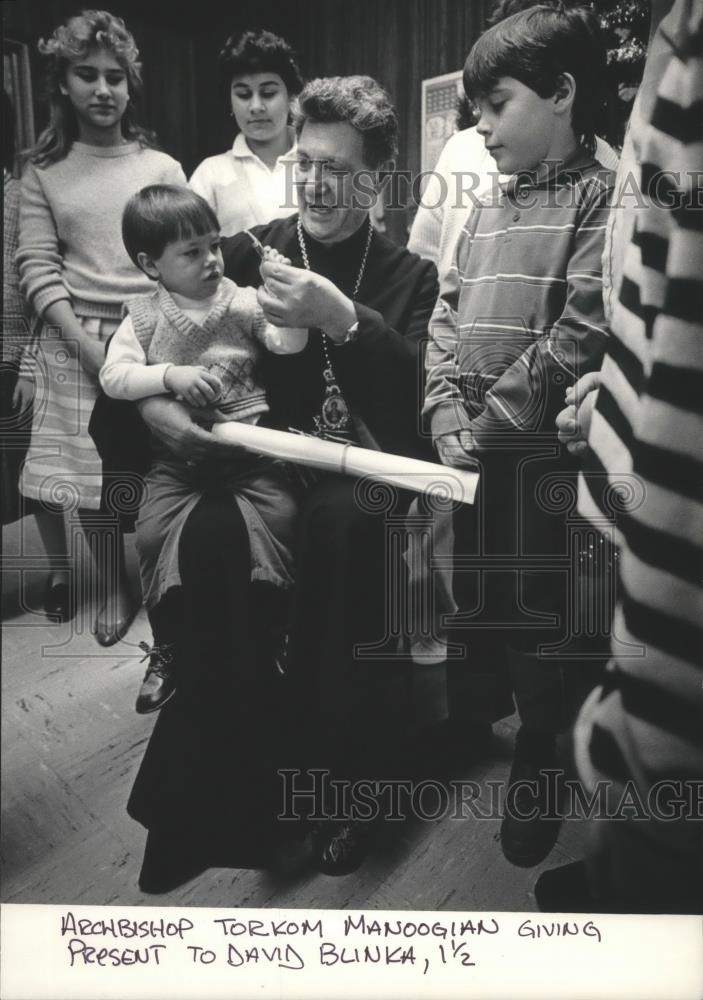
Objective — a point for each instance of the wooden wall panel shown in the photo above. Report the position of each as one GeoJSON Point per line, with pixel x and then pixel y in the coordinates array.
{"type": "Point", "coordinates": [399, 42]}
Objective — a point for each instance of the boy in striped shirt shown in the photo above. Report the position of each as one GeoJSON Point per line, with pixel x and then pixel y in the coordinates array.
{"type": "Point", "coordinates": [520, 318]}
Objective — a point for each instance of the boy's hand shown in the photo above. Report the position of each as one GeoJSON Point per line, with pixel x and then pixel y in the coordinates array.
{"type": "Point", "coordinates": [193, 383]}
{"type": "Point", "coordinates": [577, 392]}
{"type": "Point", "coordinates": [455, 450]}
{"type": "Point", "coordinates": [574, 421]}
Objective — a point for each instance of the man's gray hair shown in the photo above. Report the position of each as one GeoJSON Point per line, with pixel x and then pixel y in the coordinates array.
{"type": "Point", "coordinates": [361, 102]}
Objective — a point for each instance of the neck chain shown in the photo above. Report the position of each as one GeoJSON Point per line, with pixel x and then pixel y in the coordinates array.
{"type": "Point", "coordinates": [364, 258]}
{"type": "Point", "coordinates": [334, 417]}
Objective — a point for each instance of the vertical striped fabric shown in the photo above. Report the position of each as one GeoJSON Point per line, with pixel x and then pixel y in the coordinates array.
{"type": "Point", "coordinates": [646, 723]}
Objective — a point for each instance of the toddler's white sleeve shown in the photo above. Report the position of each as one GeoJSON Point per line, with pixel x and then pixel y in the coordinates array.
{"type": "Point", "coordinates": [126, 374]}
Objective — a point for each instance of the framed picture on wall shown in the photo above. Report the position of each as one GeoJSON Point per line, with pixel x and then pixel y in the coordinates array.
{"type": "Point", "coordinates": [18, 84]}
{"type": "Point", "coordinates": [439, 100]}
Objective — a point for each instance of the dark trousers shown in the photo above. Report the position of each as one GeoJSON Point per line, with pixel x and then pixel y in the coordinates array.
{"type": "Point", "coordinates": [209, 770]}
{"type": "Point", "coordinates": [516, 587]}
{"type": "Point", "coordinates": [352, 691]}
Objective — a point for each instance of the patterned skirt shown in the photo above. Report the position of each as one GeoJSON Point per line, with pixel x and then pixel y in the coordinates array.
{"type": "Point", "coordinates": [63, 467]}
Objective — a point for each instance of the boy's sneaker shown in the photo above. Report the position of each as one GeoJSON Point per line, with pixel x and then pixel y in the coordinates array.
{"type": "Point", "coordinates": [158, 684]}
{"type": "Point", "coordinates": [532, 817]}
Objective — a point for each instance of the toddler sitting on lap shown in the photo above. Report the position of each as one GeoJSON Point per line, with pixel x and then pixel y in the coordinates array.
{"type": "Point", "coordinates": [199, 337]}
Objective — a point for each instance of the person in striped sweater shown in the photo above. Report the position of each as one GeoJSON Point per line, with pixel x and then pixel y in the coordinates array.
{"type": "Point", "coordinates": [464, 173]}
{"type": "Point", "coordinates": [640, 734]}
{"type": "Point", "coordinates": [519, 318]}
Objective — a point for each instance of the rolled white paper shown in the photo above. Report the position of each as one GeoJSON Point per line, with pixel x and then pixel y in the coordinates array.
{"type": "Point", "coordinates": [407, 473]}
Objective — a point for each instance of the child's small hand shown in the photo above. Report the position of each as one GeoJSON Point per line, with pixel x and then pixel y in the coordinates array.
{"type": "Point", "coordinates": [194, 383]}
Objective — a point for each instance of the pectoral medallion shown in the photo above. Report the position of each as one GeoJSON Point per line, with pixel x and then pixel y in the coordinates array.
{"type": "Point", "coordinates": [334, 415]}
{"type": "Point", "coordinates": [334, 419]}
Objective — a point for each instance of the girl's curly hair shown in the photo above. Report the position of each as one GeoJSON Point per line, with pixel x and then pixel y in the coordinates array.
{"type": "Point", "coordinates": [89, 30]}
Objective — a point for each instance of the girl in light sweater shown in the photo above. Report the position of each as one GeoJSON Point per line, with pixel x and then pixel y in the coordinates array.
{"type": "Point", "coordinates": [76, 274]}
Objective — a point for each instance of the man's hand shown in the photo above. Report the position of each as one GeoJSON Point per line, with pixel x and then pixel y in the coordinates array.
{"type": "Point", "coordinates": [574, 421]}
{"type": "Point", "coordinates": [172, 424]}
{"type": "Point", "coordinates": [194, 383]}
{"type": "Point", "coordinates": [291, 296]}
{"type": "Point", "coordinates": [273, 256]}
{"type": "Point", "coordinates": [455, 450]}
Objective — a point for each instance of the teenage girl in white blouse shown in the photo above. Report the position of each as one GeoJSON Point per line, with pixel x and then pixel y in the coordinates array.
{"type": "Point", "coordinates": [252, 183]}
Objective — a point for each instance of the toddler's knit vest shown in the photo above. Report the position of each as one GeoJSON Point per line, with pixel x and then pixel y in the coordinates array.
{"type": "Point", "coordinates": [225, 344]}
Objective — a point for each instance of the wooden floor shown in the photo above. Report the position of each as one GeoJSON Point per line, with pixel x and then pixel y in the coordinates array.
{"type": "Point", "coordinates": [71, 744]}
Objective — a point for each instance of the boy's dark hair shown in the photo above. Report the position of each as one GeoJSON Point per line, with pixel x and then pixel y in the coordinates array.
{"type": "Point", "coordinates": [506, 8]}
{"type": "Point", "coordinates": [260, 52]}
{"type": "Point", "coordinates": [161, 214]}
{"type": "Point", "coordinates": [358, 101]}
{"type": "Point", "coordinates": [536, 47]}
